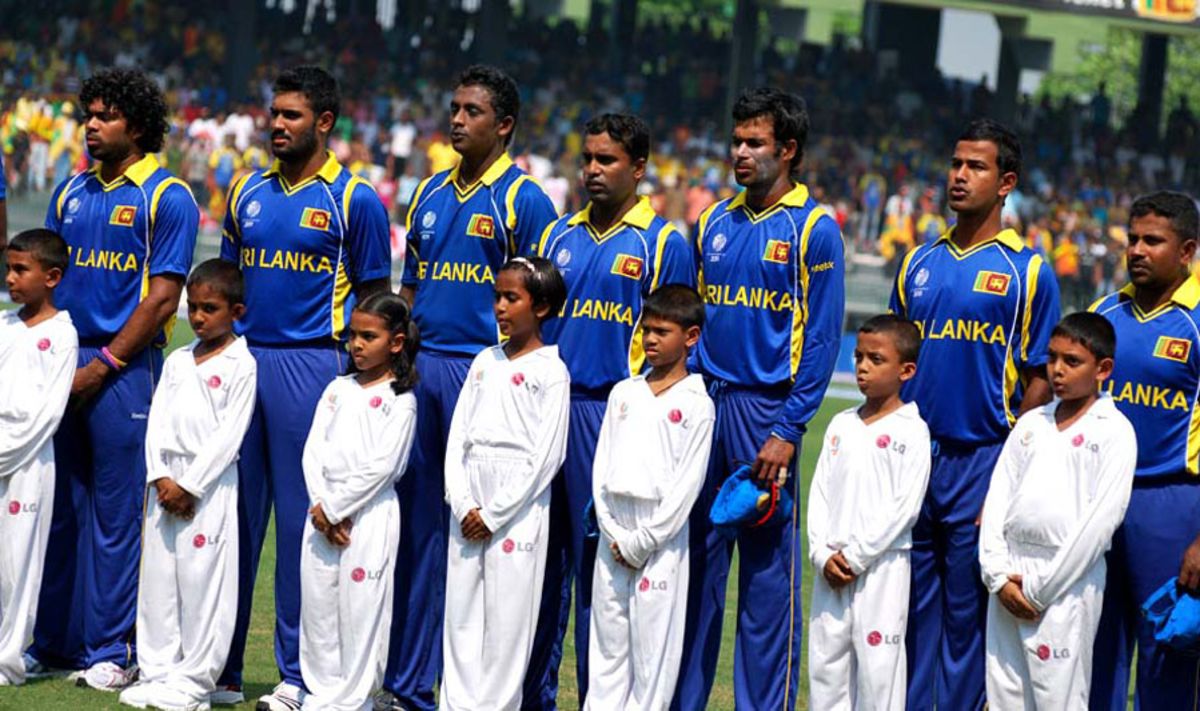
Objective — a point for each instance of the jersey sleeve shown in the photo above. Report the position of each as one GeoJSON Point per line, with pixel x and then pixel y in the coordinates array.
{"type": "Point", "coordinates": [994, 561]}
{"type": "Point", "coordinates": [530, 212]}
{"type": "Point", "coordinates": [231, 231]}
{"type": "Point", "coordinates": [386, 451]}
{"type": "Point", "coordinates": [53, 216]}
{"type": "Point", "coordinates": [674, 259]}
{"type": "Point", "coordinates": [221, 449]}
{"type": "Point", "coordinates": [1041, 313]}
{"type": "Point", "coordinates": [21, 441]}
{"type": "Point", "coordinates": [458, 492]}
{"type": "Point", "coordinates": [823, 306]}
{"type": "Point", "coordinates": [898, 303]}
{"type": "Point", "coordinates": [368, 237]}
{"type": "Point", "coordinates": [412, 255]}
{"type": "Point", "coordinates": [173, 236]}
{"type": "Point", "coordinates": [818, 505]}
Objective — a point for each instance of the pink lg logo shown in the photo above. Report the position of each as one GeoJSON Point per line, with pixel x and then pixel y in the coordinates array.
{"type": "Point", "coordinates": [1077, 440]}
{"type": "Point", "coordinates": [214, 382]}
{"type": "Point", "coordinates": [518, 378]}
{"type": "Point", "coordinates": [199, 540]}
{"type": "Point", "coordinates": [875, 638]}
{"type": "Point", "coordinates": [358, 575]}
{"type": "Point", "coordinates": [1043, 652]}
{"type": "Point", "coordinates": [508, 546]}
{"type": "Point", "coordinates": [644, 585]}
{"type": "Point", "coordinates": [44, 344]}
{"type": "Point", "coordinates": [675, 416]}
{"type": "Point", "coordinates": [883, 441]}
{"type": "Point", "coordinates": [14, 507]}
{"type": "Point", "coordinates": [376, 401]}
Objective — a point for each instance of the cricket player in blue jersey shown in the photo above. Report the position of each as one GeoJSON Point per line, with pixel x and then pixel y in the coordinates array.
{"type": "Point", "coordinates": [612, 254]}
{"type": "Point", "coordinates": [985, 304]}
{"type": "Point", "coordinates": [311, 240]}
{"type": "Point", "coordinates": [463, 224]}
{"type": "Point", "coordinates": [1156, 384]}
{"type": "Point", "coordinates": [772, 276]}
{"type": "Point", "coordinates": [131, 229]}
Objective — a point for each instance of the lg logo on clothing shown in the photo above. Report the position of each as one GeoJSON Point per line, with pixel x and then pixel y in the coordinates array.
{"type": "Point", "coordinates": [646, 585]}
{"type": "Point", "coordinates": [16, 507]}
{"type": "Point", "coordinates": [202, 540]}
{"type": "Point", "coordinates": [1045, 652]}
{"type": "Point", "coordinates": [510, 546]}
{"type": "Point", "coordinates": [876, 638]}
{"type": "Point", "coordinates": [360, 574]}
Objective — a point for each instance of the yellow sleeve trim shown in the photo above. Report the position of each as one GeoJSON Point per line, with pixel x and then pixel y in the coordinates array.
{"type": "Point", "coordinates": [800, 307]}
{"type": "Point", "coordinates": [416, 200]}
{"type": "Point", "coordinates": [902, 280]}
{"type": "Point", "coordinates": [510, 201]}
{"type": "Point", "coordinates": [661, 246]}
{"type": "Point", "coordinates": [159, 190]}
{"type": "Point", "coordinates": [545, 238]}
{"type": "Point", "coordinates": [1031, 277]}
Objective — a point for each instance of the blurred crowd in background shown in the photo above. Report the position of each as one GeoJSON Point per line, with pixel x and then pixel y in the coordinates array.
{"type": "Point", "coordinates": [877, 153]}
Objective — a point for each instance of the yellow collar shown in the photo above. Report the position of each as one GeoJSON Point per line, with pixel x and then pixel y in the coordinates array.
{"type": "Point", "coordinates": [796, 197]}
{"type": "Point", "coordinates": [1009, 238]}
{"type": "Point", "coordinates": [491, 175]}
{"type": "Point", "coordinates": [1187, 295]}
{"type": "Point", "coordinates": [639, 216]}
{"type": "Point", "coordinates": [137, 173]}
{"type": "Point", "coordinates": [329, 171]}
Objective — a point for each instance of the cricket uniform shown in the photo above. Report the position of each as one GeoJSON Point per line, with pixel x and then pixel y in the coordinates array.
{"type": "Point", "coordinates": [189, 581]}
{"type": "Point", "coordinates": [608, 276]}
{"type": "Point", "coordinates": [1055, 500]}
{"type": "Point", "coordinates": [865, 497]}
{"type": "Point", "coordinates": [985, 315]}
{"type": "Point", "coordinates": [40, 365]}
{"type": "Point", "coordinates": [358, 447]}
{"type": "Point", "coordinates": [121, 234]}
{"type": "Point", "coordinates": [302, 249]}
{"type": "Point", "coordinates": [458, 238]}
{"type": "Point", "coordinates": [507, 440]}
{"type": "Point", "coordinates": [773, 286]}
{"type": "Point", "coordinates": [1156, 384]}
{"type": "Point", "coordinates": [651, 460]}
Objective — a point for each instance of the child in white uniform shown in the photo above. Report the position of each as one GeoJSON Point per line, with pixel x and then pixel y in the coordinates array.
{"type": "Point", "coordinates": [651, 460]}
{"type": "Point", "coordinates": [1058, 493]}
{"type": "Point", "coordinates": [356, 451]}
{"type": "Point", "coordinates": [38, 348]}
{"type": "Point", "coordinates": [865, 497]}
{"type": "Point", "coordinates": [187, 592]}
{"type": "Point", "coordinates": [507, 440]}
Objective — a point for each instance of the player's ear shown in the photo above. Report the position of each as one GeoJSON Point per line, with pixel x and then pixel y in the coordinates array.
{"type": "Point", "coordinates": [1104, 369]}
{"type": "Point", "coordinates": [505, 126]}
{"type": "Point", "coordinates": [789, 151]}
{"type": "Point", "coordinates": [691, 336]}
{"type": "Point", "coordinates": [238, 311]}
{"type": "Point", "coordinates": [639, 168]}
{"type": "Point", "coordinates": [907, 370]}
{"type": "Point", "coordinates": [54, 277]}
{"type": "Point", "coordinates": [1187, 252]}
{"type": "Point", "coordinates": [325, 122]}
{"type": "Point", "coordinates": [1008, 183]}
{"type": "Point", "coordinates": [397, 344]}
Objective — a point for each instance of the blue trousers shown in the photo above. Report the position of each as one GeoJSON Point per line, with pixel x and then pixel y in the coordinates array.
{"type": "Point", "coordinates": [948, 604]}
{"type": "Point", "coordinates": [290, 382]}
{"type": "Point", "coordinates": [1162, 520]}
{"type": "Point", "coordinates": [570, 559]}
{"type": "Point", "coordinates": [415, 652]}
{"type": "Point", "coordinates": [766, 667]}
{"type": "Point", "coordinates": [88, 600]}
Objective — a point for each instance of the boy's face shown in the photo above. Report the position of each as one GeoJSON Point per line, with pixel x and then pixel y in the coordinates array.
{"type": "Point", "coordinates": [878, 366]}
{"type": "Point", "coordinates": [666, 342]}
{"type": "Point", "coordinates": [210, 313]}
{"type": "Point", "coordinates": [1074, 372]}
{"type": "Point", "coordinates": [27, 280]}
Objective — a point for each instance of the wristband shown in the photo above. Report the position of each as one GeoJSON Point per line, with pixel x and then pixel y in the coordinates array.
{"type": "Point", "coordinates": [113, 362]}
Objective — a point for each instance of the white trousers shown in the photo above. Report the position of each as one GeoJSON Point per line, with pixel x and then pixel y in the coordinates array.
{"type": "Point", "coordinates": [638, 617]}
{"type": "Point", "coordinates": [188, 591]}
{"type": "Point", "coordinates": [346, 607]}
{"type": "Point", "coordinates": [856, 639]}
{"type": "Point", "coordinates": [1045, 664]}
{"type": "Point", "coordinates": [26, 504]}
{"type": "Point", "coordinates": [493, 590]}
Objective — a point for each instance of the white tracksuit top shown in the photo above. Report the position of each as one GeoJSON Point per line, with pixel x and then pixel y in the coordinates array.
{"type": "Point", "coordinates": [651, 462]}
{"type": "Point", "coordinates": [38, 366]}
{"type": "Point", "coordinates": [358, 445]}
{"type": "Point", "coordinates": [868, 486]}
{"type": "Point", "coordinates": [516, 409]}
{"type": "Point", "coordinates": [1065, 492]}
{"type": "Point", "coordinates": [199, 414]}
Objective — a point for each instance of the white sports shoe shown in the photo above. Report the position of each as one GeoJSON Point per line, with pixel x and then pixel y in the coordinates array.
{"type": "Point", "coordinates": [167, 699]}
{"type": "Point", "coordinates": [138, 695]}
{"type": "Point", "coordinates": [228, 695]}
{"type": "Point", "coordinates": [285, 697]}
{"type": "Point", "coordinates": [107, 676]}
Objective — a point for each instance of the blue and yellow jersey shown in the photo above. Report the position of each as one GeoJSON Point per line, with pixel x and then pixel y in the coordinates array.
{"type": "Point", "coordinates": [120, 234]}
{"type": "Point", "coordinates": [985, 315]}
{"type": "Point", "coordinates": [1156, 377]}
{"type": "Point", "coordinates": [458, 238]}
{"type": "Point", "coordinates": [608, 275]}
{"type": "Point", "coordinates": [774, 288]}
{"type": "Point", "coordinates": [302, 248]}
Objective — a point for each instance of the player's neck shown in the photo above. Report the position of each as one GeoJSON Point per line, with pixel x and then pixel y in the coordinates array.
{"type": "Point", "coordinates": [761, 197]}
{"type": "Point", "coordinates": [374, 375]}
{"type": "Point", "coordinates": [1149, 298]}
{"type": "Point", "coordinates": [523, 344]}
{"type": "Point", "coordinates": [1069, 412]}
{"type": "Point", "coordinates": [603, 217]}
{"type": "Point", "coordinates": [33, 313]}
{"type": "Point", "coordinates": [876, 408]}
{"type": "Point", "coordinates": [296, 172]}
{"type": "Point", "coordinates": [212, 346]}
{"type": "Point", "coordinates": [110, 171]}
{"type": "Point", "coordinates": [973, 228]}
{"type": "Point", "coordinates": [472, 168]}
{"type": "Point", "coordinates": [662, 377]}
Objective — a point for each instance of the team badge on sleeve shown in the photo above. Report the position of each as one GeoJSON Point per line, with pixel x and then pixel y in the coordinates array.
{"type": "Point", "coordinates": [315, 219]}
{"type": "Point", "coordinates": [627, 265]}
{"type": "Point", "coordinates": [481, 226]}
{"type": "Point", "coordinates": [777, 251]}
{"type": "Point", "coordinates": [122, 215]}
{"type": "Point", "coordinates": [992, 283]}
{"type": "Point", "coordinates": [1176, 349]}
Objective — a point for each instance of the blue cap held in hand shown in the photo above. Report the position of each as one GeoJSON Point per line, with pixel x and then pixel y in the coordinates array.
{"type": "Point", "coordinates": [742, 502]}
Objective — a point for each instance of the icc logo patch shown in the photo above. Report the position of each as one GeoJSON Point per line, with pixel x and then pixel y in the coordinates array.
{"type": "Point", "coordinates": [563, 258]}
{"type": "Point", "coordinates": [992, 283]}
{"type": "Point", "coordinates": [921, 278]}
{"type": "Point", "coordinates": [628, 266]}
{"type": "Point", "coordinates": [1176, 349]}
{"type": "Point", "coordinates": [73, 205]}
{"type": "Point", "coordinates": [719, 242]}
{"type": "Point", "coordinates": [123, 215]}
{"type": "Point", "coordinates": [315, 219]}
{"type": "Point", "coordinates": [777, 251]}
{"type": "Point", "coordinates": [428, 219]}
{"type": "Point", "coordinates": [481, 226]}
{"type": "Point", "coordinates": [253, 208]}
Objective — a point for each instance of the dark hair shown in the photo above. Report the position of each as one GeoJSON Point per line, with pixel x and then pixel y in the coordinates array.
{"type": "Point", "coordinates": [630, 131]}
{"type": "Point", "coordinates": [1179, 208]}
{"type": "Point", "coordinates": [904, 334]}
{"type": "Point", "coordinates": [542, 280]}
{"type": "Point", "coordinates": [222, 277]}
{"type": "Point", "coordinates": [676, 303]}
{"type": "Point", "coordinates": [506, 100]}
{"type": "Point", "coordinates": [317, 85]}
{"type": "Point", "coordinates": [1008, 147]}
{"type": "Point", "coordinates": [397, 314]}
{"type": "Point", "coordinates": [1090, 330]}
{"type": "Point", "coordinates": [46, 246]}
{"type": "Point", "coordinates": [137, 97]}
{"type": "Point", "coordinates": [789, 117]}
